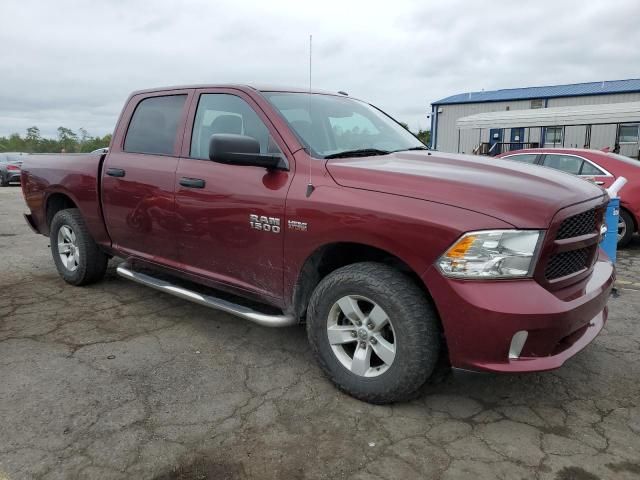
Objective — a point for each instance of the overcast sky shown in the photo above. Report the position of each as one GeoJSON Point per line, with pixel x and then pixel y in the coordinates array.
{"type": "Point", "coordinates": [73, 63]}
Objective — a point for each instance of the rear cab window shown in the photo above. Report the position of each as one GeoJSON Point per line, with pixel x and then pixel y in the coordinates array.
{"type": "Point", "coordinates": [154, 125]}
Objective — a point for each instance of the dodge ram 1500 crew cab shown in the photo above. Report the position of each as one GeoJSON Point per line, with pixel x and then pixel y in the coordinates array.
{"type": "Point", "coordinates": [283, 206]}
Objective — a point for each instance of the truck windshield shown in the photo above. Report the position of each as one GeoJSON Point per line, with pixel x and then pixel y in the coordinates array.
{"type": "Point", "coordinates": [332, 126]}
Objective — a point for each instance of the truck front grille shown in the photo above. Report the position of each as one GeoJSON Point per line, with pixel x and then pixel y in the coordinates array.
{"type": "Point", "coordinates": [568, 260]}
{"type": "Point", "coordinates": [567, 263]}
{"type": "Point", "coordinates": [577, 225]}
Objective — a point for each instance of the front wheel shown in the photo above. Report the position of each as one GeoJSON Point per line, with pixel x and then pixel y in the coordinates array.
{"type": "Point", "coordinates": [373, 332]}
{"type": "Point", "coordinates": [625, 228]}
{"type": "Point", "coordinates": [4, 181]}
{"type": "Point", "coordinates": [78, 258]}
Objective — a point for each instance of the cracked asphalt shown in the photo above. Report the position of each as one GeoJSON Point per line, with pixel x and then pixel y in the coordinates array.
{"type": "Point", "coordinates": [117, 381]}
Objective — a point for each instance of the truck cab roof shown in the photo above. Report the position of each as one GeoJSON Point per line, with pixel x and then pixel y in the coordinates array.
{"type": "Point", "coordinates": [239, 86]}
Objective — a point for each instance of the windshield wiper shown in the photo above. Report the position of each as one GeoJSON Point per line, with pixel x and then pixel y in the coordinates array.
{"type": "Point", "coordinates": [361, 152]}
{"type": "Point", "coordinates": [412, 148]}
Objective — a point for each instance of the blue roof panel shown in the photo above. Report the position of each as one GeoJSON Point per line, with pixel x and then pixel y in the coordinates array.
{"type": "Point", "coordinates": [551, 91]}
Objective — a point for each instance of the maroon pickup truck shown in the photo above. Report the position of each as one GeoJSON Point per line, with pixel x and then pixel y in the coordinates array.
{"type": "Point", "coordinates": [283, 206]}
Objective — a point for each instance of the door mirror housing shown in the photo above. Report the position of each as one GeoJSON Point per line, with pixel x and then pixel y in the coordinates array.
{"type": "Point", "coordinates": [235, 149]}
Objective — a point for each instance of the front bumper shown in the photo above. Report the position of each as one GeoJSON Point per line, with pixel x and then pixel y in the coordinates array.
{"type": "Point", "coordinates": [30, 221]}
{"type": "Point", "coordinates": [480, 319]}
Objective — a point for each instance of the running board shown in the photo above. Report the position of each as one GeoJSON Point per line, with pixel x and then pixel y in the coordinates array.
{"type": "Point", "coordinates": [125, 271]}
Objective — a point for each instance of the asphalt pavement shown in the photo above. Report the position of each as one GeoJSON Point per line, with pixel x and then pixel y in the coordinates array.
{"type": "Point", "coordinates": [116, 380]}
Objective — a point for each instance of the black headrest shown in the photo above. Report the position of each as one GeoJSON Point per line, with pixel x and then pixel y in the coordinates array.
{"type": "Point", "coordinates": [227, 124]}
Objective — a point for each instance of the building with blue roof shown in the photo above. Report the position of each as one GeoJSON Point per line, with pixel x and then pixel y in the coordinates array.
{"type": "Point", "coordinates": [445, 114]}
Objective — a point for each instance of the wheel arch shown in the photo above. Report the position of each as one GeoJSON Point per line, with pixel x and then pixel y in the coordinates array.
{"type": "Point", "coordinates": [55, 202]}
{"type": "Point", "coordinates": [330, 257]}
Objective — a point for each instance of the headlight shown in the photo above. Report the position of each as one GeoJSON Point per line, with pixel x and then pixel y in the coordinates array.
{"type": "Point", "coordinates": [492, 254]}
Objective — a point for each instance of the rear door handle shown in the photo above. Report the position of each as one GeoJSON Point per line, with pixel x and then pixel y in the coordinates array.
{"type": "Point", "coordinates": [192, 182]}
{"type": "Point", "coordinates": [598, 182]}
{"type": "Point", "coordinates": [115, 172]}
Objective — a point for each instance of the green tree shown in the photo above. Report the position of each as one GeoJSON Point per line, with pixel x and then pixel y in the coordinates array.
{"type": "Point", "coordinates": [424, 136]}
{"type": "Point", "coordinates": [33, 135]}
{"type": "Point", "coordinates": [67, 139]}
{"type": "Point", "coordinates": [84, 135]}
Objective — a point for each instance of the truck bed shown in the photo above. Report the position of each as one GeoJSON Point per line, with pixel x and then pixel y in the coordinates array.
{"type": "Point", "coordinates": [75, 175]}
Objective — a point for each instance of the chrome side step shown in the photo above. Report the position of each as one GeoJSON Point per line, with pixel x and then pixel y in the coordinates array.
{"type": "Point", "coordinates": [125, 271]}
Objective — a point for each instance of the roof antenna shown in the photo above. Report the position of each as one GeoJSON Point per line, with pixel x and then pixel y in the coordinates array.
{"type": "Point", "coordinates": [310, 187]}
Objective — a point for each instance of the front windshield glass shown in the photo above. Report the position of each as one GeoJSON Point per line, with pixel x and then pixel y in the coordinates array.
{"type": "Point", "coordinates": [330, 125]}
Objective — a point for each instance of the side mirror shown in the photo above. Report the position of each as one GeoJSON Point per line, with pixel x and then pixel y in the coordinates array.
{"type": "Point", "coordinates": [242, 150]}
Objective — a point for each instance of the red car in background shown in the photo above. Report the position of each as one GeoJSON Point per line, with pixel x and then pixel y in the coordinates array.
{"type": "Point", "coordinates": [599, 167]}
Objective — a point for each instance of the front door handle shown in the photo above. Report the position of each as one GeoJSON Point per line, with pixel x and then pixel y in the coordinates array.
{"type": "Point", "coordinates": [192, 182]}
{"type": "Point", "coordinates": [598, 182]}
{"type": "Point", "coordinates": [115, 172]}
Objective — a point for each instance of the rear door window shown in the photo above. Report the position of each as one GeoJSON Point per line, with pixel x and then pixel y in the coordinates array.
{"type": "Point", "coordinates": [154, 126]}
{"type": "Point", "coordinates": [591, 170]}
{"type": "Point", "coordinates": [566, 163]}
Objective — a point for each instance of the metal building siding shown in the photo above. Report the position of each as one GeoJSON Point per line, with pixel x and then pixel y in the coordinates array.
{"type": "Point", "coordinates": [533, 135]}
{"type": "Point", "coordinates": [574, 136]}
{"type": "Point", "coordinates": [447, 139]}
{"type": "Point", "coordinates": [603, 136]}
{"type": "Point", "coordinates": [550, 91]}
{"type": "Point", "coordinates": [593, 100]}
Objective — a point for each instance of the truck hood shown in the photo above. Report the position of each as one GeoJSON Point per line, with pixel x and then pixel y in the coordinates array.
{"type": "Point", "coordinates": [526, 196]}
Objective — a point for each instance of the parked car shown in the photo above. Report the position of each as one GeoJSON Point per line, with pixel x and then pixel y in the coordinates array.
{"type": "Point", "coordinates": [100, 150]}
{"type": "Point", "coordinates": [10, 164]}
{"type": "Point", "coordinates": [317, 207]}
{"type": "Point", "coordinates": [600, 167]}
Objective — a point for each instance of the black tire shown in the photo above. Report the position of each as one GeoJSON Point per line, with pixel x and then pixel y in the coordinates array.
{"type": "Point", "coordinates": [415, 326]}
{"type": "Point", "coordinates": [3, 181]}
{"type": "Point", "coordinates": [92, 263]}
{"type": "Point", "coordinates": [630, 227]}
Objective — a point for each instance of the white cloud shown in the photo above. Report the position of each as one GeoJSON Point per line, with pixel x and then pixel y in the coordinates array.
{"type": "Point", "coordinates": [73, 62]}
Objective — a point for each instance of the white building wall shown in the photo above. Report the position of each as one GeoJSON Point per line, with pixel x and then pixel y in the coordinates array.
{"type": "Point", "coordinates": [593, 100]}
{"type": "Point", "coordinates": [603, 136]}
{"type": "Point", "coordinates": [532, 135]}
{"type": "Point", "coordinates": [447, 133]}
{"type": "Point", "coordinates": [575, 136]}
{"type": "Point", "coordinates": [447, 136]}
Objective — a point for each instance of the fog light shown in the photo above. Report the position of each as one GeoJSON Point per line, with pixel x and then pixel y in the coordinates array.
{"type": "Point", "coordinates": [517, 342]}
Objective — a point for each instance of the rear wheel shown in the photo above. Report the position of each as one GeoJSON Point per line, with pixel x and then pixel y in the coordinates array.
{"type": "Point", "coordinates": [78, 258]}
{"type": "Point", "coordinates": [625, 228]}
{"type": "Point", "coordinates": [373, 332]}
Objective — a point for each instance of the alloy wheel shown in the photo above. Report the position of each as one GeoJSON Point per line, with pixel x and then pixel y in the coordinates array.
{"type": "Point", "coordinates": [68, 248]}
{"type": "Point", "coordinates": [361, 336]}
{"type": "Point", "coordinates": [622, 228]}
